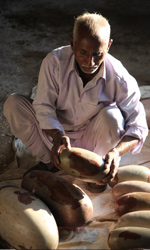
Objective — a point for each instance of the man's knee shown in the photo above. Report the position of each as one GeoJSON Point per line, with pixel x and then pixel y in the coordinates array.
{"type": "Point", "coordinates": [113, 122]}
{"type": "Point", "coordinates": [11, 103]}
{"type": "Point", "coordinates": [112, 114]}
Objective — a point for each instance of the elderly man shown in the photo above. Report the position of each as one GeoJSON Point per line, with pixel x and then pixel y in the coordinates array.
{"type": "Point", "coordinates": [85, 98]}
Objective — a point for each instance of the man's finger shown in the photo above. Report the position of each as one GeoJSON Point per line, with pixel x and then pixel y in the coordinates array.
{"type": "Point", "coordinates": [66, 142]}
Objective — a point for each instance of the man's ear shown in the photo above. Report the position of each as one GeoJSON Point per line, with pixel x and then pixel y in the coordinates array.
{"type": "Point", "coordinates": [110, 43]}
{"type": "Point", "coordinates": [71, 42]}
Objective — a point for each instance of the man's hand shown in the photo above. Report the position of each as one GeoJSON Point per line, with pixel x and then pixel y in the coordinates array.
{"type": "Point", "coordinates": [111, 162]}
{"type": "Point", "coordinates": [112, 157]}
{"type": "Point", "coordinates": [59, 143]}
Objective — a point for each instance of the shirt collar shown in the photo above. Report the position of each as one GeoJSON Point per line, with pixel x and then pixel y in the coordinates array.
{"type": "Point", "coordinates": [102, 71]}
{"type": "Point", "coordinates": [72, 66]}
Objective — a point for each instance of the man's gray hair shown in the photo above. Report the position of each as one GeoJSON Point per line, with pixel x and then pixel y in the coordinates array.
{"type": "Point", "coordinates": [95, 24]}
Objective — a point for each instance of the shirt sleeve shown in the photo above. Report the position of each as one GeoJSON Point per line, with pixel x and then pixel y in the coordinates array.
{"type": "Point", "coordinates": [128, 100]}
{"type": "Point", "coordinates": [47, 94]}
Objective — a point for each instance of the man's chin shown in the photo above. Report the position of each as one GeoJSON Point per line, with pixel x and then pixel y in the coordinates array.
{"type": "Point", "coordinates": [89, 71]}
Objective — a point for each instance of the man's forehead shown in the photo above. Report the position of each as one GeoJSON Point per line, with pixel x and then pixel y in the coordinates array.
{"type": "Point", "coordinates": [88, 42]}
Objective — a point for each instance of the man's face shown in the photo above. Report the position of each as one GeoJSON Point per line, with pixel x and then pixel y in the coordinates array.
{"type": "Point", "coordinates": [89, 52]}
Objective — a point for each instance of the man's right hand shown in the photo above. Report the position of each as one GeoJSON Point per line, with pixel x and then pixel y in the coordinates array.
{"type": "Point", "coordinates": [59, 143]}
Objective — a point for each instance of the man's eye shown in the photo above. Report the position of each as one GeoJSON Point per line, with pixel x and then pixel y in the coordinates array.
{"type": "Point", "coordinates": [82, 52]}
{"type": "Point", "coordinates": [98, 54]}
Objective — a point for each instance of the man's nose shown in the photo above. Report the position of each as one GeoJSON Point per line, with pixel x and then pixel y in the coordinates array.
{"type": "Point", "coordinates": [90, 60]}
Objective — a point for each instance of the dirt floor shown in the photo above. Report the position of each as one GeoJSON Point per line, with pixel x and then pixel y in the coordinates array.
{"type": "Point", "coordinates": [29, 29]}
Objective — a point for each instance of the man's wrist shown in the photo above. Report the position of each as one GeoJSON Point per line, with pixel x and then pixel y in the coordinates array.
{"type": "Point", "coordinates": [57, 132]}
{"type": "Point", "coordinates": [116, 151]}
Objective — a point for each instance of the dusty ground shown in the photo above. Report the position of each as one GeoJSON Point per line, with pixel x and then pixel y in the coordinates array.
{"type": "Point", "coordinates": [30, 29]}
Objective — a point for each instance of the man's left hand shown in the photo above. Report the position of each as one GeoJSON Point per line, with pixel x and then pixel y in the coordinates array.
{"type": "Point", "coordinates": [111, 162]}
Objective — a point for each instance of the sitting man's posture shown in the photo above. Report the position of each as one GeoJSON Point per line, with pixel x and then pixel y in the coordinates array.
{"type": "Point", "coordinates": [85, 98]}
